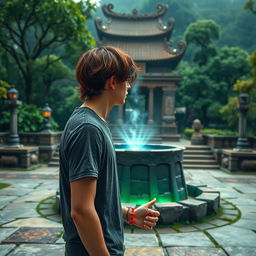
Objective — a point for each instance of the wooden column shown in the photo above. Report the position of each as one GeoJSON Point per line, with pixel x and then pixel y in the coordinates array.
{"type": "Point", "coordinates": [151, 106]}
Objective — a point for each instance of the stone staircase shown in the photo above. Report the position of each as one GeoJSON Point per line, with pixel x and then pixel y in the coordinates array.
{"type": "Point", "coordinates": [55, 160]}
{"type": "Point", "coordinates": [199, 157]}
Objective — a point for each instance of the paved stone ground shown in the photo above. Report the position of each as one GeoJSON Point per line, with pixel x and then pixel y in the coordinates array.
{"type": "Point", "coordinates": [29, 225]}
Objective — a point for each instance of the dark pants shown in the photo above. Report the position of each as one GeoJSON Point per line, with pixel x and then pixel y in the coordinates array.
{"type": "Point", "coordinates": [75, 249]}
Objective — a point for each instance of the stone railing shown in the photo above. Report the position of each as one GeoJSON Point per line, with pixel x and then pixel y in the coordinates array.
{"type": "Point", "coordinates": [46, 141]}
{"type": "Point", "coordinates": [220, 142]}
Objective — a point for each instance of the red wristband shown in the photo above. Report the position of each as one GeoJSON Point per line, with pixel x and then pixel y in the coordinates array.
{"type": "Point", "coordinates": [132, 216]}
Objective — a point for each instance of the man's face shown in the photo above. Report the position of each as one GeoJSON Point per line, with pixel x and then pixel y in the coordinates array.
{"type": "Point", "coordinates": [121, 92]}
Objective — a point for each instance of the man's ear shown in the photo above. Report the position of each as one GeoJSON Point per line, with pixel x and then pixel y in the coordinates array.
{"type": "Point", "coordinates": [111, 82]}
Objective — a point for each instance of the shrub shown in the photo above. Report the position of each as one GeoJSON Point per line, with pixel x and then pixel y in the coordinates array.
{"type": "Point", "coordinates": [188, 132]}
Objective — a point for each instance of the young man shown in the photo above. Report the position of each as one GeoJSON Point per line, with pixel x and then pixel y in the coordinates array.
{"type": "Point", "coordinates": [89, 194]}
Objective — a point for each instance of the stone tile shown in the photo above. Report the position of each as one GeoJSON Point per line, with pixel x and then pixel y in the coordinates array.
{"type": "Point", "coordinates": [144, 251]}
{"type": "Point", "coordinates": [195, 251]}
{"type": "Point", "coordinates": [247, 209]}
{"type": "Point", "coordinates": [60, 241]}
{"type": "Point", "coordinates": [5, 232]}
{"type": "Point", "coordinates": [249, 215]}
{"type": "Point", "coordinates": [34, 235]}
{"type": "Point", "coordinates": [229, 236]}
{"type": "Point", "coordinates": [230, 211]}
{"type": "Point", "coordinates": [48, 211]}
{"type": "Point", "coordinates": [246, 224]}
{"type": "Point", "coordinates": [5, 221]}
{"type": "Point", "coordinates": [6, 248]}
{"type": "Point", "coordinates": [245, 188]}
{"type": "Point", "coordinates": [33, 222]}
{"type": "Point", "coordinates": [243, 201]}
{"type": "Point", "coordinates": [19, 210]}
{"type": "Point", "coordinates": [240, 251]}
{"type": "Point", "coordinates": [229, 217]}
{"type": "Point", "coordinates": [203, 226]}
{"type": "Point", "coordinates": [142, 231]}
{"type": "Point", "coordinates": [10, 191]}
{"type": "Point", "coordinates": [39, 250]}
{"type": "Point", "coordinates": [186, 239]}
{"type": "Point", "coordinates": [187, 229]}
{"type": "Point", "coordinates": [166, 230]}
{"type": "Point", "coordinates": [6, 200]}
{"type": "Point", "coordinates": [227, 207]}
{"type": "Point", "coordinates": [218, 222]}
{"type": "Point", "coordinates": [37, 196]}
{"type": "Point", "coordinates": [55, 218]}
{"type": "Point", "coordinates": [140, 240]}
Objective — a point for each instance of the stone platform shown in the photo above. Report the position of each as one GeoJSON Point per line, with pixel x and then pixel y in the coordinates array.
{"type": "Point", "coordinates": [30, 226]}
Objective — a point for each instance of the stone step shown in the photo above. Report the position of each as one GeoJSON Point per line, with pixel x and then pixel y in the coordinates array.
{"type": "Point", "coordinates": [198, 167]}
{"type": "Point", "coordinates": [198, 149]}
{"type": "Point", "coordinates": [53, 164]}
{"type": "Point", "coordinates": [199, 161]}
{"type": "Point", "coordinates": [190, 156]}
{"type": "Point", "coordinates": [197, 152]}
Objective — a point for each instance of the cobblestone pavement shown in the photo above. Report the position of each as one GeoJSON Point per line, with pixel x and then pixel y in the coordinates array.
{"type": "Point", "coordinates": [29, 224]}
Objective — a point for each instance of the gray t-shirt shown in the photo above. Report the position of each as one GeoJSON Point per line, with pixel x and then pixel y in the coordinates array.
{"type": "Point", "coordinates": [86, 150]}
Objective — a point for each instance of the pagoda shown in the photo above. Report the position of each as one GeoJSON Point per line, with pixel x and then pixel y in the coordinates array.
{"type": "Point", "coordinates": [146, 38]}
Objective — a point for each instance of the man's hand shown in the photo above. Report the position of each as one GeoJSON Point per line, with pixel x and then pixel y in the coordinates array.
{"type": "Point", "coordinates": [146, 218]}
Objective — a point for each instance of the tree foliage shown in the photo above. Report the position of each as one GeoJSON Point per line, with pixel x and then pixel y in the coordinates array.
{"type": "Point", "coordinates": [229, 111]}
{"type": "Point", "coordinates": [30, 119]}
{"type": "Point", "coordinates": [34, 29]}
{"type": "Point", "coordinates": [204, 90]}
{"type": "Point", "coordinates": [202, 33]}
{"type": "Point", "coordinates": [249, 5]}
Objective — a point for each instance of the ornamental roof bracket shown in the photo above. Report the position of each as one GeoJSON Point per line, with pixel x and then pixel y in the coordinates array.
{"type": "Point", "coordinates": [161, 10]}
{"type": "Point", "coordinates": [181, 45]}
{"type": "Point", "coordinates": [104, 27]}
{"type": "Point", "coordinates": [170, 24]}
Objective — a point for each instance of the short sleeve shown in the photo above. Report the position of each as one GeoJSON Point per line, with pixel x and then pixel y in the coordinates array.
{"type": "Point", "coordinates": [84, 153]}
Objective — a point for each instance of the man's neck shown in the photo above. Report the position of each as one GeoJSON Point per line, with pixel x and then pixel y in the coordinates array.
{"type": "Point", "coordinates": [100, 107]}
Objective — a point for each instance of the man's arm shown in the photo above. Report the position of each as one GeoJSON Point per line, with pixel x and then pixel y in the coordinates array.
{"type": "Point", "coordinates": [144, 217]}
{"type": "Point", "coordinates": [85, 216]}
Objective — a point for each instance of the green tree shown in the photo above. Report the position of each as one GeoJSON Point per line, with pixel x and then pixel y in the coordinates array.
{"type": "Point", "coordinates": [249, 5]}
{"type": "Point", "coordinates": [33, 29]}
{"type": "Point", "coordinates": [229, 111]}
{"type": "Point", "coordinates": [57, 72]}
{"type": "Point", "coordinates": [205, 90]}
{"type": "Point", "coordinates": [202, 33]}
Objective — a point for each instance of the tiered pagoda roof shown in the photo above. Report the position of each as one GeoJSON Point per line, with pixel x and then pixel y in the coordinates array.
{"type": "Point", "coordinates": [143, 36]}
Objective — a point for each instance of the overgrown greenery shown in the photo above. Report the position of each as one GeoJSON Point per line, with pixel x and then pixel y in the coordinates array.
{"type": "Point", "coordinates": [40, 42]}
{"type": "Point", "coordinates": [39, 34]}
{"type": "Point", "coordinates": [188, 132]}
{"type": "Point", "coordinates": [30, 119]}
{"type": "Point", "coordinates": [4, 185]}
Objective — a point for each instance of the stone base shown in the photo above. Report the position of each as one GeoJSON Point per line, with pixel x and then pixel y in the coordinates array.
{"type": "Point", "coordinates": [204, 201]}
{"type": "Point", "coordinates": [197, 139]}
{"type": "Point", "coordinates": [236, 161]}
{"type": "Point", "coordinates": [23, 157]}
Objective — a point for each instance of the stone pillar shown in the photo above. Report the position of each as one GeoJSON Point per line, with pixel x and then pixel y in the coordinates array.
{"type": "Point", "coordinates": [168, 117]}
{"type": "Point", "coordinates": [242, 141]}
{"type": "Point", "coordinates": [120, 119]}
{"type": "Point", "coordinates": [151, 105]}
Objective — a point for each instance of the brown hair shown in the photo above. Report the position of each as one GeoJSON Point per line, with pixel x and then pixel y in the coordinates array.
{"type": "Point", "coordinates": [99, 64]}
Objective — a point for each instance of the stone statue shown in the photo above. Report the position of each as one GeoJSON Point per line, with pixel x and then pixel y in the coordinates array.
{"type": "Point", "coordinates": [197, 138]}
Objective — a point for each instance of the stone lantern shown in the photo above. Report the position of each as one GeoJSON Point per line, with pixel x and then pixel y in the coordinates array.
{"type": "Point", "coordinates": [243, 107]}
{"type": "Point", "coordinates": [13, 139]}
{"type": "Point", "coordinates": [47, 112]}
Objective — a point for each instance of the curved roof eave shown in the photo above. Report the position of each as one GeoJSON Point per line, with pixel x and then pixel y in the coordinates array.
{"type": "Point", "coordinates": [161, 10]}
{"type": "Point", "coordinates": [164, 32]}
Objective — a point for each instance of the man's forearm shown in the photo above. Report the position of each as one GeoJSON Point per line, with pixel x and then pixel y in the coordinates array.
{"type": "Point", "coordinates": [90, 231]}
